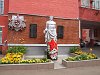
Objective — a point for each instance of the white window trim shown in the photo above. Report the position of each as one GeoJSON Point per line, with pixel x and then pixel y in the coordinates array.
{"type": "Point", "coordinates": [85, 5]}
{"type": "Point", "coordinates": [94, 7]}
{"type": "Point", "coordinates": [2, 8]}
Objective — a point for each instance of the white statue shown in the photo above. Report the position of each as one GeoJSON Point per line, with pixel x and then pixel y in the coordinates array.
{"type": "Point", "coordinates": [50, 30]}
{"type": "Point", "coordinates": [51, 38]}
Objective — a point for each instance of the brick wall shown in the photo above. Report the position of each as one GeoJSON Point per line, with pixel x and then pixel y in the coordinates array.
{"type": "Point", "coordinates": [6, 7]}
{"type": "Point", "coordinates": [89, 14]}
{"type": "Point", "coordinates": [4, 22]}
{"type": "Point", "coordinates": [46, 7]}
{"type": "Point", "coordinates": [22, 37]}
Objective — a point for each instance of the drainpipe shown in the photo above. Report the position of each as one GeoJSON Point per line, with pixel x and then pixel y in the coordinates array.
{"type": "Point", "coordinates": [80, 31]}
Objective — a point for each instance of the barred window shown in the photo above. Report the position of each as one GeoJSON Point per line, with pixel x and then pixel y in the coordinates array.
{"type": "Point", "coordinates": [85, 3]}
{"type": "Point", "coordinates": [96, 4]}
{"type": "Point", "coordinates": [1, 7]}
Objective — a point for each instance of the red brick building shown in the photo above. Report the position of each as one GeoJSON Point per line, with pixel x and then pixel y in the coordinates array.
{"type": "Point", "coordinates": [71, 16]}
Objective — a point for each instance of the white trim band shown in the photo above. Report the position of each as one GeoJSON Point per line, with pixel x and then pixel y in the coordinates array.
{"type": "Point", "coordinates": [42, 45]}
{"type": "Point", "coordinates": [2, 26]}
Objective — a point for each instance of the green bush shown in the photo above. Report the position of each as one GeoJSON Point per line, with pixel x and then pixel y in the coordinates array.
{"type": "Point", "coordinates": [70, 59]}
{"type": "Point", "coordinates": [0, 61]}
{"type": "Point", "coordinates": [74, 49]}
{"type": "Point", "coordinates": [17, 49]}
{"type": "Point", "coordinates": [35, 60]}
{"type": "Point", "coordinates": [82, 57]}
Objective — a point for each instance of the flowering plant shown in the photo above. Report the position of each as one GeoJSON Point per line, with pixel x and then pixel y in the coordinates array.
{"type": "Point", "coordinates": [12, 58]}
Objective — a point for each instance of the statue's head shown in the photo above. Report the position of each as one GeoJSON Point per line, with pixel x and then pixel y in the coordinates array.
{"type": "Point", "coordinates": [51, 18]}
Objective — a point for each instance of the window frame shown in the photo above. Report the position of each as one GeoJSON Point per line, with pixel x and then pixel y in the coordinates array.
{"type": "Point", "coordinates": [85, 3]}
{"type": "Point", "coordinates": [1, 7]}
{"type": "Point", "coordinates": [33, 31]}
{"type": "Point", "coordinates": [96, 5]}
{"type": "Point", "coordinates": [60, 32]}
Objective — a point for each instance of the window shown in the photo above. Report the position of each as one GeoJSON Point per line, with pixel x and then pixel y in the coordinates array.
{"type": "Point", "coordinates": [0, 35]}
{"type": "Point", "coordinates": [33, 30]}
{"type": "Point", "coordinates": [1, 7]}
{"type": "Point", "coordinates": [96, 4]}
{"type": "Point", "coordinates": [60, 32]}
{"type": "Point", "coordinates": [85, 3]}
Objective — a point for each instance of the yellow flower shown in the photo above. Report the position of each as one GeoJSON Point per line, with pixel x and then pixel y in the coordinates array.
{"type": "Point", "coordinates": [91, 49]}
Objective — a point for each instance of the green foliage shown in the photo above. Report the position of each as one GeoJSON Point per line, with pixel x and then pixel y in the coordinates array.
{"type": "Point", "coordinates": [70, 59]}
{"type": "Point", "coordinates": [45, 59]}
{"type": "Point", "coordinates": [35, 60]}
{"type": "Point", "coordinates": [17, 49]}
{"type": "Point", "coordinates": [0, 61]}
{"type": "Point", "coordinates": [82, 57]}
{"type": "Point", "coordinates": [74, 49]}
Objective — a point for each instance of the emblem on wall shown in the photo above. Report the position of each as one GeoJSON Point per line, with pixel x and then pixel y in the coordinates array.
{"type": "Point", "coordinates": [17, 23]}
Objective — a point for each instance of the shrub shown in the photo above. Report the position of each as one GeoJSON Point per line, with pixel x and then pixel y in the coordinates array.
{"type": "Point", "coordinates": [70, 59]}
{"type": "Point", "coordinates": [0, 61]}
{"type": "Point", "coordinates": [17, 49]}
{"type": "Point", "coordinates": [82, 57]}
{"type": "Point", "coordinates": [74, 49]}
{"type": "Point", "coordinates": [35, 60]}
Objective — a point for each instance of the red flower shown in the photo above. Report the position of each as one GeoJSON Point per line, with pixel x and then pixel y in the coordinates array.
{"type": "Point", "coordinates": [52, 44]}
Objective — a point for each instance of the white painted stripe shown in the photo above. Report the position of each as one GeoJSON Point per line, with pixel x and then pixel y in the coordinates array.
{"type": "Point", "coordinates": [42, 45]}
{"type": "Point", "coordinates": [2, 26]}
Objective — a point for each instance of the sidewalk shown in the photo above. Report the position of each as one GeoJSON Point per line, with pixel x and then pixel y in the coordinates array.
{"type": "Point", "coordinates": [58, 63]}
{"type": "Point", "coordinates": [69, 71]}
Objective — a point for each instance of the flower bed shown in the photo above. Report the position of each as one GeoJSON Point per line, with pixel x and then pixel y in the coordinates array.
{"type": "Point", "coordinates": [81, 59]}
{"type": "Point", "coordinates": [13, 60]}
{"type": "Point", "coordinates": [82, 63]}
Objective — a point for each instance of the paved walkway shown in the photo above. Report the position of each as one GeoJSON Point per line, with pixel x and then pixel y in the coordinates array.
{"type": "Point", "coordinates": [58, 63]}
{"type": "Point", "coordinates": [70, 71]}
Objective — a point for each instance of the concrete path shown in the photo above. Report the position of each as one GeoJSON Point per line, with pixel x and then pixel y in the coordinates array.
{"type": "Point", "coordinates": [70, 71]}
{"type": "Point", "coordinates": [58, 63]}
